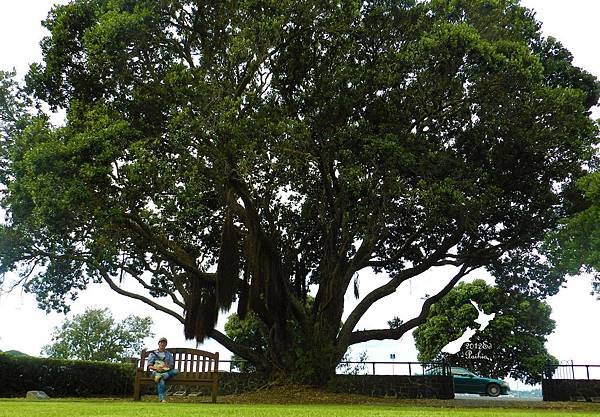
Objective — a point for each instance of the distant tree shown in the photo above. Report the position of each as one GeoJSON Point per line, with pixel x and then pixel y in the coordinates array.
{"type": "Point", "coordinates": [95, 335]}
{"type": "Point", "coordinates": [358, 365]}
{"type": "Point", "coordinates": [250, 332]}
{"type": "Point", "coordinates": [511, 345]}
{"type": "Point", "coordinates": [13, 118]}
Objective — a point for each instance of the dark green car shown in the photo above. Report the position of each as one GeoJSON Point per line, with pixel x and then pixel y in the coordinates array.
{"type": "Point", "coordinates": [466, 382]}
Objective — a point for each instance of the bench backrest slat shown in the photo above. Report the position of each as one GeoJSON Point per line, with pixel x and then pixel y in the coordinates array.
{"type": "Point", "coordinates": [195, 367]}
{"type": "Point", "coordinates": [191, 363]}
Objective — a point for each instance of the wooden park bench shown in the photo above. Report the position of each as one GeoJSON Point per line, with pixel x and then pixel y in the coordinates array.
{"type": "Point", "coordinates": [196, 367]}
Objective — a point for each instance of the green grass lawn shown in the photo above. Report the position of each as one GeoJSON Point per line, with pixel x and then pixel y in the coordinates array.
{"type": "Point", "coordinates": [118, 408]}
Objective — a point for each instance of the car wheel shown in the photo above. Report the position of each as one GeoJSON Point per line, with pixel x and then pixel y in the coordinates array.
{"type": "Point", "coordinates": [493, 390]}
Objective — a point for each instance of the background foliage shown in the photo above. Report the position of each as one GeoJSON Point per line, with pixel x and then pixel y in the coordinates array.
{"type": "Point", "coordinates": [64, 378]}
{"type": "Point", "coordinates": [513, 343]}
{"type": "Point", "coordinates": [95, 336]}
{"type": "Point", "coordinates": [575, 247]}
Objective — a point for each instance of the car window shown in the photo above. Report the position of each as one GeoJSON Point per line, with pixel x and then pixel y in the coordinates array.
{"type": "Point", "coordinates": [461, 372]}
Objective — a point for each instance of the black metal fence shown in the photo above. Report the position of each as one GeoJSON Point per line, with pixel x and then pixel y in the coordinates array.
{"type": "Point", "coordinates": [393, 368]}
{"type": "Point", "coordinates": [362, 367]}
{"type": "Point", "coordinates": [570, 370]}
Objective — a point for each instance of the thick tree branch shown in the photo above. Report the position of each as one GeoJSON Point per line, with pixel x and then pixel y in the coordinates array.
{"type": "Point", "coordinates": [391, 285]}
{"type": "Point", "coordinates": [297, 307]}
{"type": "Point", "coordinates": [397, 333]}
{"type": "Point", "coordinates": [239, 349]}
{"type": "Point", "coordinates": [376, 233]}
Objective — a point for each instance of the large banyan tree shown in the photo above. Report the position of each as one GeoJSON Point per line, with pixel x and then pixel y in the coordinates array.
{"type": "Point", "coordinates": [261, 153]}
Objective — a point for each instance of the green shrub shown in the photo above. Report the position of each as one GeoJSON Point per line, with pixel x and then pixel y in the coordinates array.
{"type": "Point", "coordinates": [64, 378]}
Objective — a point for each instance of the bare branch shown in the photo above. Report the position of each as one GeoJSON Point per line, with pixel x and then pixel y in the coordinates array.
{"type": "Point", "coordinates": [385, 262]}
{"type": "Point", "coordinates": [152, 287]}
{"type": "Point", "coordinates": [23, 276]}
{"type": "Point", "coordinates": [251, 69]}
{"type": "Point", "coordinates": [176, 279]}
{"type": "Point", "coordinates": [135, 296]}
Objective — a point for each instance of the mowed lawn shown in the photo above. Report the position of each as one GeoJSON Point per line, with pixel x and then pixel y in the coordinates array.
{"type": "Point", "coordinates": [60, 408]}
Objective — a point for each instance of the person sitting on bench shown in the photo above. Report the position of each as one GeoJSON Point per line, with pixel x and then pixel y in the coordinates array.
{"type": "Point", "coordinates": [162, 364]}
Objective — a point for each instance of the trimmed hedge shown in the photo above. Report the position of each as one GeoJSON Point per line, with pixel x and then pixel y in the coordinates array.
{"type": "Point", "coordinates": [398, 386]}
{"type": "Point", "coordinates": [570, 389]}
{"type": "Point", "coordinates": [237, 383]}
{"type": "Point", "coordinates": [64, 378]}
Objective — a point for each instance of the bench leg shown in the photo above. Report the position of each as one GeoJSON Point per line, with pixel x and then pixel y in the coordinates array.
{"type": "Point", "coordinates": [215, 387]}
{"type": "Point", "coordinates": [136, 391]}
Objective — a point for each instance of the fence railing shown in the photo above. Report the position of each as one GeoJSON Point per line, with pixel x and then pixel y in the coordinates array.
{"type": "Point", "coordinates": [393, 368]}
{"type": "Point", "coordinates": [362, 367]}
{"type": "Point", "coordinates": [563, 370]}
{"type": "Point", "coordinates": [570, 370]}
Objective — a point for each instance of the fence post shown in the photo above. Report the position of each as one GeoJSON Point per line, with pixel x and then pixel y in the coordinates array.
{"type": "Point", "coordinates": [373, 363]}
{"type": "Point", "coordinates": [587, 370]}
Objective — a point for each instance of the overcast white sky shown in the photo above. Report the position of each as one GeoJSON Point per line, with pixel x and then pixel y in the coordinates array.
{"type": "Point", "coordinates": [24, 327]}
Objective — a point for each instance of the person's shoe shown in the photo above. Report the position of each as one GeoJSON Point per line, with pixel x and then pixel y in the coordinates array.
{"type": "Point", "coordinates": [157, 378]}
{"type": "Point", "coordinates": [163, 401]}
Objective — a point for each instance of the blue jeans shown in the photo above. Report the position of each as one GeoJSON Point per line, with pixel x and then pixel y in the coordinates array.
{"type": "Point", "coordinates": [161, 387]}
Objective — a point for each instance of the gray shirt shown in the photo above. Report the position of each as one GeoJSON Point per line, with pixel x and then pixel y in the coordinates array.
{"type": "Point", "coordinates": [166, 356]}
